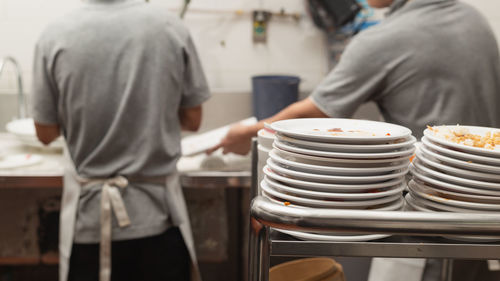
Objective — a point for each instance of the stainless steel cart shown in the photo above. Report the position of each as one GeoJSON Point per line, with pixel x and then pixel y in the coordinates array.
{"type": "Point", "coordinates": [417, 233]}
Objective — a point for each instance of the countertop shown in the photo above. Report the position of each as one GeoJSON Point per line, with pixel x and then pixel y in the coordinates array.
{"type": "Point", "coordinates": [235, 171]}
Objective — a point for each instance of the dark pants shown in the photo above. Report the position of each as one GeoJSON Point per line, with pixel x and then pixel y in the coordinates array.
{"type": "Point", "coordinates": [163, 257]}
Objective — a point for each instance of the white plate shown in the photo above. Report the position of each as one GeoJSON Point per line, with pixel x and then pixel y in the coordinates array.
{"type": "Point", "coordinates": [328, 186]}
{"type": "Point", "coordinates": [391, 206]}
{"type": "Point", "coordinates": [330, 195]}
{"type": "Point", "coordinates": [316, 129]}
{"type": "Point", "coordinates": [361, 204]}
{"type": "Point", "coordinates": [408, 151]}
{"type": "Point", "coordinates": [435, 164]}
{"type": "Point", "coordinates": [332, 237]}
{"type": "Point", "coordinates": [460, 163]}
{"type": "Point", "coordinates": [424, 193]}
{"type": "Point", "coordinates": [334, 179]}
{"type": "Point", "coordinates": [442, 207]}
{"type": "Point", "coordinates": [454, 179]}
{"type": "Point", "coordinates": [413, 204]}
{"type": "Point", "coordinates": [339, 147]}
{"type": "Point", "coordinates": [339, 162]}
{"type": "Point", "coordinates": [24, 130]}
{"type": "Point", "coordinates": [19, 160]}
{"type": "Point", "coordinates": [444, 193]}
{"type": "Point", "coordinates": [321, 169]}
{"type": "Point", "coordinates": [265, 137]}
{"type": "Point", "coordinates": [421, 176]}
{"type": "Point", "coordinates": [481, 131]}
{"type": "Point", "coordinates": [461, 155]}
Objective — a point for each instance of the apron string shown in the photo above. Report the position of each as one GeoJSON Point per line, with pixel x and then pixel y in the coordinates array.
{"type": "Point", "coordinates": [111, 201]}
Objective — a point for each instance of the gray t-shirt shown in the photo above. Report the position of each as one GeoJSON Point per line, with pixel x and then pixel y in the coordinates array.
{"type": "Point", "coordinates": [113, 75]}
{"type": "Point", "coordinates": [430, 62]}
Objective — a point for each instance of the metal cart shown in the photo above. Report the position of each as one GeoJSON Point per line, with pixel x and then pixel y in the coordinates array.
{"type": "Point", "coordinates": [417, 233]}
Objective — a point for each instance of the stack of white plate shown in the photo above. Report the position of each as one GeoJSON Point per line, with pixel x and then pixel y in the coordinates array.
{"type": "Point", "coordinates": [338, 164]}
{"type": "Point", "coordinates": [454, 177]}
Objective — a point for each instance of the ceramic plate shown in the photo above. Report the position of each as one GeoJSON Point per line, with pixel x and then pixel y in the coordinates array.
{"type": "Point", "coordinates": [435, 164]}
{"type": "Point", "coordinates": [391, 206]}
{"type": "Point", "coordinates": [434, 136]}
{"type": "Point", "coordinates": [375, 193]}
{"type": "Point", "coordinates": [424, 193]}
{"type": "Point", "coordinates": [441, 207]}
{"type": "Point", "coordinates": [361, 204]}
{"type": "Point", "coordinates": [444, 193]}
{"type": "Point", "coordinates": [408, 151]}
{"type": "Point", "coordinates": [333, 179]}
{"type": "Point", "coordinates": [461, 155]}
{"type": "Point", "coordinates": [413, 204]}
{"type": "Point", "coordinates": [19, 160]}
{"type": "Point", "coordinates": [339, 147]}
{"type": "Point", "coordinates": [460, 163]}
{"type": "Point", "coordinates": [340, 130]}
{"type": "Point", "coordinates": [328, 186]}
{"type": "Point", "coordinates": [422, 177]}
{"type": "Point", "coordinates": [340, 162]}
{"type": "Point", "coordinates": [329, 170]}
{"type": "Point", "coordinates": [265, 137]}
{"type": "Point", "coordinates": [454, 179]}
{"type": "Point", "coordinates": [332, 237]}
{"type": "Point", "coordinates": [24, 130]}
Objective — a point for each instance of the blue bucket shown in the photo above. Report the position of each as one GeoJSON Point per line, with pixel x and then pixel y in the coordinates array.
{"type": "Point", "coordinates": [270, 94]}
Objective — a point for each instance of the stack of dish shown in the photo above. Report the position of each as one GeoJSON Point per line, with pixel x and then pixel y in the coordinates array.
{"type": "Point", "coordinates": [457, 169]}
{"type": "Point", "coordinates": [338, 164]}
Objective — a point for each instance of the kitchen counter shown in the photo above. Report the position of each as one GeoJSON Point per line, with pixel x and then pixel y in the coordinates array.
{"type": "Point", "coordinates": [49, 172]}
{"type": "Point", "coordinates": [217, 201]}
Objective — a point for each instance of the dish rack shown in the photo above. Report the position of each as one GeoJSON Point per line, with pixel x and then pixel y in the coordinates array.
{"type": "Point", "coordinates": [416, 234]}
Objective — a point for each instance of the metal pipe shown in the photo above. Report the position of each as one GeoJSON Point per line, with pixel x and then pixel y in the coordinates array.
{"type": "Point", "coordinates": [368, 221]}
{"type": "Point", "coordinates": [21, 103]}
{"type": "Point", "coordinates": [259, 252]}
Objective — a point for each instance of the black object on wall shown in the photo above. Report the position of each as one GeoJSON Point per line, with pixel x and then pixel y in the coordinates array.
{"type": "Point", "coordinates": [333, 14]}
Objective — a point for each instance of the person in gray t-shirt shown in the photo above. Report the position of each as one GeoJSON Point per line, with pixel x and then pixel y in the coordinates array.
{"type": "Point", "coordinates": [430, 62]}
{"type": "Point", "coordinates": [119, 79]}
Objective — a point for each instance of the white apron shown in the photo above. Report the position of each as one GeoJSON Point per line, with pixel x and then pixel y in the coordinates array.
{"type": "Point", "coordinates": [112, 203]}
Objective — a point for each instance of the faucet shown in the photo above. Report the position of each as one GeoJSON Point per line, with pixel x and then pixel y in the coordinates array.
{"type": "Point", "coordinates": [21, 103]}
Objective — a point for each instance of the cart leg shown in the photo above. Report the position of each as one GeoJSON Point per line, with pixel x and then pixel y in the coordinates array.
{"type": "Point", "coordinates": [447, 270]}
{"type": "Point", "coordinates": [258, 251]}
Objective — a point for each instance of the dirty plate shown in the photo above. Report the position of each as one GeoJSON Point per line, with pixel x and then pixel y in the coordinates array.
{"type": "Point", "coordinates": [407, 151]}
{"type": "Point", "coordinates": [334, 178]}
{"type": "Point", "coordinates": [338, 130]}
{"type": "Point", "coordinates": [374, 193]}
{"type": "Point", "coordinates": [340, 147]}
{"type": "Point", "coordinates": [19, 160]}
{"type": "Point", "coordinates": [321, 168]}
{"type": "Point", "coordinates": [438, 133]}
{"type": "Point", "coordinates": [460, 163]}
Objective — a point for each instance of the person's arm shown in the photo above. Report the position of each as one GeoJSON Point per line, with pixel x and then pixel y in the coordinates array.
{"type": "Point", "coordinates": [190, 118]}
{"type": "Point", "coordinates": [238, 139]}
{"type": "Point", "coordinates": [47, 133]}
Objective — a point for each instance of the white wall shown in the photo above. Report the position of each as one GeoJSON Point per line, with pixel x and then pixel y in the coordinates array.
{"type": "Point", "coordinates": [293, 47]}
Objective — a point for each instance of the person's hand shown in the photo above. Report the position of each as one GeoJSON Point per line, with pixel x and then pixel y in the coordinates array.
{"type": "Point", "coordinates": [238, 140]}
